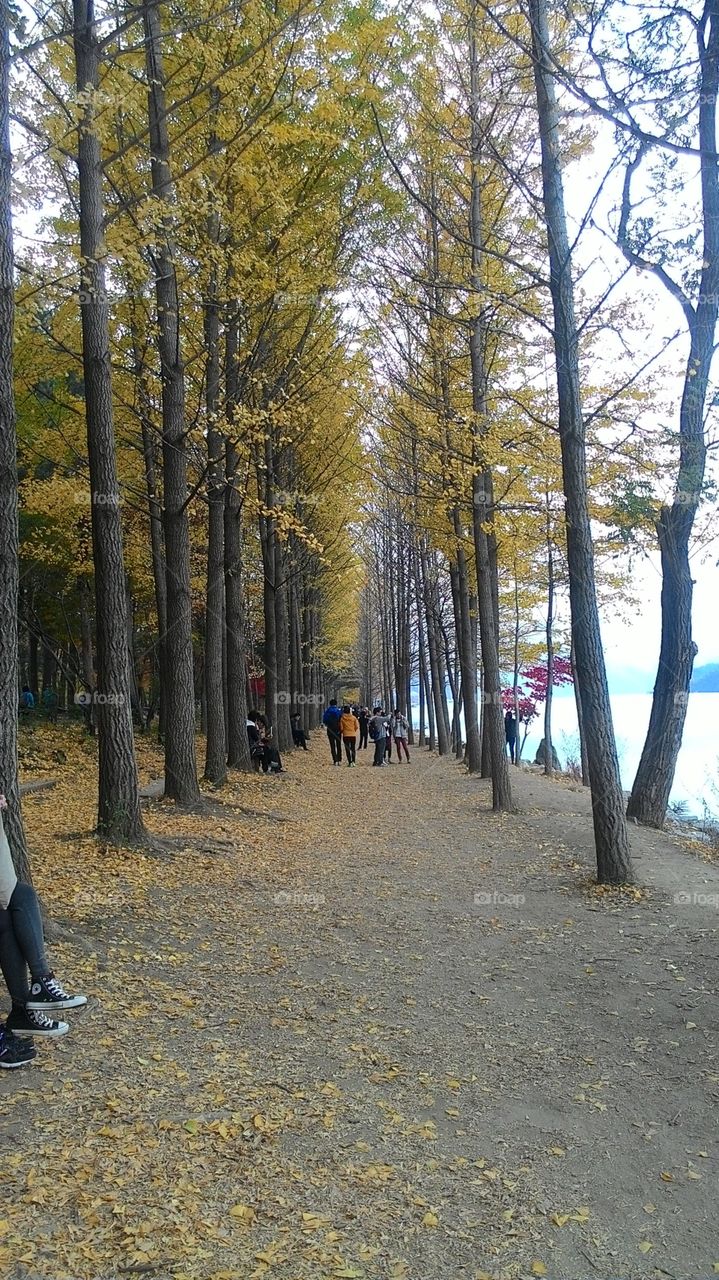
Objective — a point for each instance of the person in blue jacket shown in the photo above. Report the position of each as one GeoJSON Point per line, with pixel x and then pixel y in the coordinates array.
{"type": "Point", "coordinates": [331, 721]}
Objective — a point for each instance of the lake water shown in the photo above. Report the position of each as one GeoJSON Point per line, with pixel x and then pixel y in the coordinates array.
{"type": "Point", "coordinates": [696, 782]}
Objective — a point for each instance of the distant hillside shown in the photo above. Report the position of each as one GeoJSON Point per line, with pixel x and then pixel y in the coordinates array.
{"type": "Point", "coordinates": [706, 679]}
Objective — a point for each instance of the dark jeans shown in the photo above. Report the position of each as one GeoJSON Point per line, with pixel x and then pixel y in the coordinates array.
{"type": "Point", "coordinates": [299, 737]}
{"type": "Point", "coordinates": [335, 745]}
{"type": "Point", "coordinates": [379, 751]}
{"type": "Point", "coordinates": [21, 942]}
{"type": "Point", "coordinates": [512, 744]}
{"type": "Point", "coordinates": [399, 744]}
{"type": "Point", "coordinates": [388, 746]}
{"type": "Point", "coordinates": [350, 749]}
{"type": "Point", "coordinates": [363, 736]}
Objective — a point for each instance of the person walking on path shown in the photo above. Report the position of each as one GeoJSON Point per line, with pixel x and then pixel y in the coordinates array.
{"type": "Point", "coordinates": [331, 721]}
{"type": "Point", "coordinates": [400, 733]}
{"type": "Point", "coordinates": [349, 728]}
{"type": "Point", "coordinates": [510, 733]}
{"type": "Point", "coordinates": [378, 734]}
{"type": "Point", "coordinates": [22, 948]}
{"type": "Point", "coordinates": [363, 718]}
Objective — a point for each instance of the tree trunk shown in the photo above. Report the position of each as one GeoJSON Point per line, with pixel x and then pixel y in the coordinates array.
{"type": "Point", "coordinates": [494, 739]}
{"type": "Point", "coordinates": [548, 753]}
{"type": "Point", "coordinates": [610, 829]}
{"type": "Point", "coordinates": [580, 719]}
{"type": "Point", "coordinates": [655, 775]}
{"type": "Point", "coordinates": [9, 575]}
{"type": "Point", "coordinates": [238, 747]}
{"type": "Point", "coordinates": [154, 506]}
{"type": "Point", "coordinates": [216, 748]}
{"type": "Point", "coordinates": [118, 799]}
{"type": "Point", "coordinates": [180, 760]}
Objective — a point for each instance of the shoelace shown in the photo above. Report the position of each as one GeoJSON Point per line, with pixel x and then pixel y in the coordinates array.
{"type": "Point", "coordinates": [55, 989]}
{"type": "Point", "coordinates": [40, 1019]}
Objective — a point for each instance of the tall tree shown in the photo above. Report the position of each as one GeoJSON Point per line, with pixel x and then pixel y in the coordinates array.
{"type": "Point", "coordinates": [118, 799]}
{"type": "Point", "coordinates": [653, 782]}
{"type": "Point", "coordinates": [180, 760]}
{"type": "Point", "coordinates": [610, 828]}
{"type": "Point", "coordinates": [9, 576]}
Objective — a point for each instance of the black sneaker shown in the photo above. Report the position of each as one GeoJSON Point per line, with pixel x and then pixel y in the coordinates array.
{"type": "Point", "coordinates": [30, 1022]}
{"type": "Point", "coordinates": [48, 993]}
{"type": "Point", "coordinates": [15, 1052]}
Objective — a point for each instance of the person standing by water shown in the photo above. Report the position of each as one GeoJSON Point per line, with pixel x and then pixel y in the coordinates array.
{"type": "Point", "coordinates": [363, 718]}
{"type": "Point", "coordinates": [510, 733]}
{"type": "Point", "coordinates": [331, 721]}
{"type": "Point", "coordinates": [349, 728]}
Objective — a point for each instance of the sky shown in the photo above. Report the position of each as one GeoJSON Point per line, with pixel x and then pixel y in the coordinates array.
{"type": "Point", "coordinates": [632, 640]}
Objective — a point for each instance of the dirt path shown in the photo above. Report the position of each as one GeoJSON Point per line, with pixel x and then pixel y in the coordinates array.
{"type": "Point", "coordinates": [377, 1033]}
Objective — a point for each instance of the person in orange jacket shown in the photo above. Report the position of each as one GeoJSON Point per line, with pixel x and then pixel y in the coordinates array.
{"type": "Point", "coordinates": [349, 728]}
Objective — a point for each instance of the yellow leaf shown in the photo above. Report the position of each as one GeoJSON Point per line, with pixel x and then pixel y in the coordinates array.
{"type": "Point", "coordinates": [430, 1219]}
{"type": "Point", "coordinates": [557, 1151]}
{"type": "Point", "coordinates": [645, 1246]}
{"type": "Point", "coordinates": [666, 1177]}
{"type": "Point", "coordinates": [192, 1126]}
{"type": "Point", "coordinates": [560, 1219]}
{"type": "Point", "coordinates": [538, 1269]}
{"type": "Point", "coordinates": [244, 1212]}
{"type": "Point", "coordinates": [314, 1221]}
{"type": "Point", "coordinates": [650, 1208]}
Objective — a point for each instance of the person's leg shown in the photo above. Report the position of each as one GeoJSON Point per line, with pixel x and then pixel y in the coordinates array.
{"type": "Point", "coordinates": [26, 923]}
{"type": "Point", "coordinates": [379, 751]}
{"type": "Point", "coordinates": [348, 752]}
{"type": "Point", "coordinates": [353, 750]}
{"type": "Point", "coordinates": [402, 743]}
{"type": "Point", "coordinates": [12, 962]}
{"type": "Point", "coordinates": [388, 746]}
{"type": "Point", "coordinates": [338, 748]}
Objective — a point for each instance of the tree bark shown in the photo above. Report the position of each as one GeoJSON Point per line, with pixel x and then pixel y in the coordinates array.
{"type": "Point", "coordinates": [9, 574]}
{"type": "Point", "coordinates": [216, 748]}
{"type": "Point", "coordinates": [118, 816]}
{"type": "Point", "coordinates": [610, 828]}
{"type": "Point", "coordinates": [494, 738]}
{"type": "Point", "coordinates": [549, 631]}
{"type": "Point", "coordinates": [181, 782]}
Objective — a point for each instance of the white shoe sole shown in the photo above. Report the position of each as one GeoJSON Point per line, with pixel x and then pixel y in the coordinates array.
{"type": "Point", "coordinates": [61, 1030]}
{"type": "Point", "coordinates": [50, 1006]}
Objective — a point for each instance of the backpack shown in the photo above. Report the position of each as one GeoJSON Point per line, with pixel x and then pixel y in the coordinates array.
{"type": "Point", "coordinates": [373, 730]}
